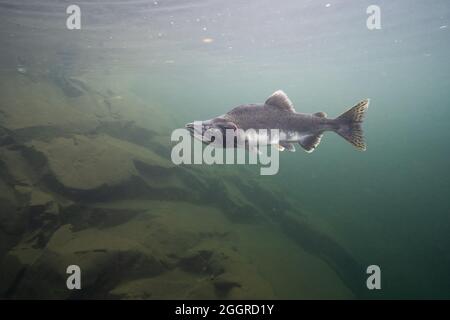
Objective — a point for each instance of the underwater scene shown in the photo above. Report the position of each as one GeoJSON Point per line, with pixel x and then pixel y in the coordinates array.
{"type": "Point", "coordinates": [93, 92]}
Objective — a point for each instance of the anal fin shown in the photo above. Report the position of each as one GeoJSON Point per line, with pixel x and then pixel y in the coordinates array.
{"type": "Point", "coordinates": [310, 142]}
{"type": "Point", "coordinates": [288, 146]}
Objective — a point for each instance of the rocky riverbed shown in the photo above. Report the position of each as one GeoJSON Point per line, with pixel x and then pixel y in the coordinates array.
{"type": "Point", "coordinates": [86, 179]}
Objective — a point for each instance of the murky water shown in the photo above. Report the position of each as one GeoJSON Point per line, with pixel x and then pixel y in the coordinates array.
{"type": "Point", "coordinates": [86, 176]}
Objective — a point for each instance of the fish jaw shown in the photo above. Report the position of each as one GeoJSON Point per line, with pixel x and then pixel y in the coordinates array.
{"type": "Point", "coordinates": [211, 131]}
{"type": "Point", "coordinates": [198, 130]}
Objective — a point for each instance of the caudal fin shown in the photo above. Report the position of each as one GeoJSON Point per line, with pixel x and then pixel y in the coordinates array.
{"type": "Point", "coordinates": [348, 125]}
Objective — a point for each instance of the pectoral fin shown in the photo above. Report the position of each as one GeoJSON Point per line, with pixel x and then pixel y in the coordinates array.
{"type": "Point", "coordinates": [279, 147]}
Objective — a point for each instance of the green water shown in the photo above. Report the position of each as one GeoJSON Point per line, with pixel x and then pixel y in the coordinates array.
{"type": "Point", "coordinates": [386, 206]}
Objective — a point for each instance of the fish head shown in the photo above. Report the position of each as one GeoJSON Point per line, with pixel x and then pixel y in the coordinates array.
{"type": "Point", "coordinates": [213, 131]}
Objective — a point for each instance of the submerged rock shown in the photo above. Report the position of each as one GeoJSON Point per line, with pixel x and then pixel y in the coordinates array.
{"type": "Point", "coordinates": [202, 262]}
{"type": "Point", "coordinates": [83, 162]}
{"type": "Point", "coordinates": [224, 284]}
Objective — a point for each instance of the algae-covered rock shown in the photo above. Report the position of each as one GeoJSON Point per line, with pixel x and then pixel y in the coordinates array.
{"type": "Point", "coordinates": [84, 162]}
{"type": "Point", "coordinates": [102, 257]}
{"type": "Point", "coordinates": [161, 253]}
{"type": "Point", "coordinates": [28, 104]}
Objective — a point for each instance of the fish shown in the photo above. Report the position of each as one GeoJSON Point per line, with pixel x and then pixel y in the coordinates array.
{"type": "Point", "coordinates": [277, 114]}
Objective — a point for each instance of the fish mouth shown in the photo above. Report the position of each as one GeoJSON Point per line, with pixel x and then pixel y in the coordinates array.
{"type": "Point", "coordinates": [200, 131]}
{"type": "Point", "coordinates": [196, 131]}
{"type": "Point", "coordinates": [190, 127]}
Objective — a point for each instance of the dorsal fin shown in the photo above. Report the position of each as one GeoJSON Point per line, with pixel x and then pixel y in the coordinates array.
{"type": "Point", "coordinates": [320, 114]}
{"type": "Point", "coordinates": [280, 100]}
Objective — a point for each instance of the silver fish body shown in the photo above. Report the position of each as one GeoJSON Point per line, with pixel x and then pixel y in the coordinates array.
{"type": "Point", "coordinates": [276, 122]}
